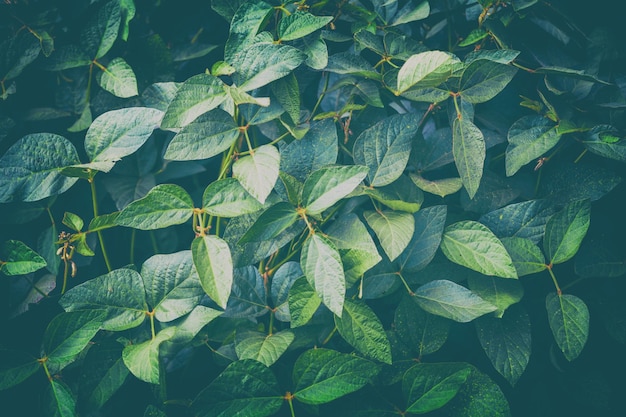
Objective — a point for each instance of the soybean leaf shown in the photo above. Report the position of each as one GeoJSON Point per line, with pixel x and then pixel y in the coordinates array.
{"type": "Point", "coordinates": [500, 292]}
{"type": "Point", "coordinates": [142, 359]}
{"type": "Point", "coordinates": [18, 259]}
{"type": "Point", "coordinates": [164, 205]}
{"type": "Point", "coordinates": [58, 400]}
{"type": "Point", "coordinates": [287, 94]}
{"type": "Point", "coordinates": [421, 249]}
{"type": "Point", "coordinates": [189, 326]}
{"type": "Point", "coordinates": [300, 24]}
{"type": "Point", "coordinates": [15, 367]}
{"type": "Point", "coordinates": [119, 133]}
{"type": "Point", "coordinates": [325, 186]}
{"type": "Point", "coordinates": [261, 347]}
{"type": "Point", "coordinates": [355, 245]}
{"type": "Point", "coordinates": [429, 386]}
{"type": "Point", "coordinates": [525, 220]}
{"type": "Point", "coordinates": [213, 262]}
{"type": "Point", "coordinates": [424, 333]}
{"type": "Point", "coordinates": [323, 269]}
{"type": "Point", "coordinates": [529, 138]}
{"type": "Point", "coordinates": [506, 342]}
{"type": "Point", "coordinates": [527, 257]}
{"type": "Point", "coordinates": [17, 53]}
{"type": "Point", "coordinates": [411, 13]}
{"type": "Point", "coordinates": [402, 195]}
{"type": "Point", "coordinates": [385, 147]}
{"type": "Point", "coordinates": [246, 388]}
{"type": "Point", "coordinates": [258, 171]}
{"type": "Point", "coordinates": [102, 222]}
{"type": "Point", "coordinates": [483, 79]}
{"type": "Point", "coordinates": [104, 373]}
{"type": "Point", "coordinates": [228, 198]}
{"type": "Point", "coordinates": [303, 302]}
{"type": "Point", "coordinates": [394, 230]}
{"type": "Point", "coordinates": [199, 94]}
{"type": "Point", "coordinates": [452, 301]}
{"type": "Point", "coordinates": [565, 231]}
{"type": "Point", "coordinates": [160, 95]}
{"type": "Point", "coordinates": [248, 297]}
{"type": "Point", "coordinates": [473, 245]}
{"type": "Point", "coordinates": [120, 292]}
{"type": "Point", "coordinates": [323, 375]}
{"type": "Point", "coordinates": [468, 148]}
{"type": "Point", "coordinates": [479, 396]}
{"type": "Point", "coordinates": [598, 258]}
{"type": "Point", "coordinates": [260, 64]}
{"type": "Point", "coordinates": [172, 285]}
{"type": "Point", "coordinates": [244, 26]}
{"type": "Point", "coordinates": [118, 78]}
{"type": "Point", "coordinates": [426, 69]}
{"type": "Point", "coordinates": [349, 63]}
{"type": "Point", "coordinates": [360, 327]}
{"type": "Point", "coordinates": [271, 223]}
{"type": "Point", "coordinates": [68, 334]}
{"type": "Point", "coordinates": [442, 187]}
{"type": "Point", "coordinates": [66, 57]}
{"type": "Point", "coordinates": [568, 72]}
{"type": "Point", "coordinates": [282, 282]}
{"type": "Point", "coordinates": [208, 135]}
{"type": "Point", "coordinates": [568, 316]}
{"type": "Point", "coordinates": [605, 141]}
{"type": "Point", "coordinates": [30, 170]}
{"type": "Point", "coordinates": [502, 56]}
{"type": "Point", "coordinates": [101, 29]}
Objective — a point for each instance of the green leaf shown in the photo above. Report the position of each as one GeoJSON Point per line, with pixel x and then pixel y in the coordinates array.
{"type": "Point", "coordinates": [303, 302]}
{"type": "Point", "coordinates": [355, 245]}
{"type": "Point", "coordinates": [66, 57]}
{"type": "Point", "coordinates": [569, 321]}
{"type": "Point", "coordinates": [188, 327]}
{"type": "Point", "coordinates": [525, 220]}
{"type": "Point", "coordinates": [118, 78]}
{"type": "Point", "coordinates": [164, 205]}
{"type": "Point", "coordinates": [326, 186]}
{"type": "Point", "coordinates": [210, 134]}
{"type": "Point", "coordinates": [103, 374]}
{"type": "Point", "coordinates": [565, 231]}
{"type": "Point", "coordinates": [598, 258]}
{"type": "Point", "coordinates": [323, 269]}
{"type": "Point", "coordinates": [442, 187]}
{"type": "Point", "coordinates": [429, 386]}
{"type": "Point", "coordinates": [402, 195]}
{"type": "Point", "coordinates": [452, 301]}
{"type": "Point", "coordinates": [260, 64]}
{"type": "Point", "coordinates": [246, 388]}
{"type": "Point", "coordinates": [500, 292]}
{"type": "Point", "coordinates": [476, 35]}
{"type": "Point", "coordinates": [360, 327]}
{"type": "Point", "coordinates": [58, 400]}
{"type": "Point", "coordinates": [30, 170]}
{"type": "Point", "coordinates": [349, 63]}
{"type": "Point", "coordinates": [17, 53]}
{"type": "Point", "coordinates": [502, 56]}
{"type": "Point", "coordinates": [527, 257]}
{"type": "Point", "coordinates": [15, 367]}
{"type": "Point", "coordinates": [248, 298]}
{"type": "Point", "coordinates": [473, 245]}
{"type": "Point", "coordinates": [142, 359]}
{"type": "Point", "coordinates": [212, 259]}
{"type": "Point", "coordinates": [411, 13]}
{"type": "Point", "coordinates": [468, 148]}
{"type": "Point", "coordinates": [258, 171]}
{"type": "Point", "coordinates": [120, 293]}
{"type": "Point", "coordinates": [119, 133]}
{"type": "Point", "coordinates": [287, 93]}
{"type": "Point", "coordinates": [266, 349]}
{"type": "Point", "coordinates": [18, 259]}
{"type": "Point", "coordinates": [323, 375]}
{"type": "Point", "coordinates": [228, 198]}
{"type": "Point", "coordinates": [172, 285]}
{"type": "Point", "coordinates": [299, 25]}
{"type": "Point", "coordinates": [72, 221]}
{"type": "Point", "coordinates": [568, 72]}
{"type": "Point", "coordinates": [529, 138]}
{"type": "Point", "coordinates": [128, 11]}
{"type": "Point", "coordinates": [68, 334]}
{"type": "Point", "coordinates": [282, 282]}
{"type": "Point", "coordinates": [423, 332]}
{"type": "Point", "coordinates": [604, 140]}
{"type": "Point", "coordinates": [101, 29]}
{"type": "Point", "coordinates": [244, 26]}
{"type": "Point", "coordinates": [484, 79]}
{"type": "Point", "coordinates": [421, 249]}
{"type": "Point", "coordinates": [385, 147]}
{"type": "Point", "coordinates": [426, 69]}
{"type": "Point", "coordinates": [199, 94]}
{"type": "Point", "coordinates": [105, 221]}
{"type": "Point", "coordinates": [394, 230]}
{"type": "Point", "coordinates": [271, 223]}
{"type": "Point", "coordinates": [506, 342]}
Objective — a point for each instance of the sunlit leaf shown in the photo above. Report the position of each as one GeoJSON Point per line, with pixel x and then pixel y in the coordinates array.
{"type": "Point", "coordinates": [394, 230]}
{"type": "Point", "coordinates": [426, 69]}
{"type": "Point", "coordinates": [228, 198]}
{"type": "Point", "coordinates": [214, 265]}
{"type": "Point", "coordinates": [18, 259]}
{"type": "Point", "coordinates": [300, 24]}
{"type": "Point", "coordinates": [303, 302]}
{"type": "Point", "coordinates": [321, 264]}
{"type": "Point", "coordinates": [142, 359]}
{"type": "Point", "coordinates": [429, 386]}
{"type": "Point", "coordinates": [565, 231]}
{"type": "Point", "coordinates": [118, 78]}
{"type": "Point", "coordinates": [452, 301]}
{"type": "Point", "coordinates": [199, 94]}
{"type": "Point", "coordinates": [568, 316]}
{"type": "Point", "coordinates": [165, 205]}
{"type": "Point", "coordinates": [529, 138]}
{"type": "Point", "coordinates": [326, 186]}
{"type": "Point", "coordinates": [264, 348]}
{"type": "Point", "coordinates": [258, 171]}
{"type": "Point", "coordinates": [468, 148]}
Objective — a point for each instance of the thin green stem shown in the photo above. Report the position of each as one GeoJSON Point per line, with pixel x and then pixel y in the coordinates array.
{"type": "Point", "coordinates": [151, 314]}
{"type": "Point", "coordinates": [556, 284]}
{"type": "Point", "coordinates": [290, 402]}
{"type": "Point", "coordinates": [271, 325]}
{"type": "Point", "coordinates": [94, 200]}
{"type": "Point", "coordinates": [406, 284]}
{"type": "Point", "coordinates": [65, 271]}
{"type": "Point", "coordinates": [155, 245]}
{"type": "Point", "coordinates": [321, 97]}
{"type": "Point", "coordinates": [43, 362]}
{"type": "Point", "coordinates": [330, 336]}
{"type": "Point", "coordinates": [133, 235]}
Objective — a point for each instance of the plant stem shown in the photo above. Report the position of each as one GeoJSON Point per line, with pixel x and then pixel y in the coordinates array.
{"type": "Point", "coordinates": [65, 271]}
{"type": "Point", "coordinates": [133, 234]}
{"type": "Point", "coordinates": [330, 336]}
{"type": "Point", "coordinates": [406, 285]}
{"type": "Point", "coordinates": [94, 200]}
{"type": "Point", "coordinates": [151, 314]}
{"type": "Point", "coordinates": [290, 401]}
{"type": "Point", "coordinates": [556, 284]}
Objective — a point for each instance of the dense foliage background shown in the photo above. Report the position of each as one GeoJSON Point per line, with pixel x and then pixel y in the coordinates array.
{"type": "Point", "coordinates": [335, 207]}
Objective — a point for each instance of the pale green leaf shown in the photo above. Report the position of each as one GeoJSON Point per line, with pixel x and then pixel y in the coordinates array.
{"type": "Point", "coordinates": [604, 140]}
{"type": "Point", "coordinates": [199, 94]}
{"type": "Point", "coordinates": [261, 347]}
{"type": "Point", "coordinates": [164, 205]}
{"type": "Point", "coordinates": [473, 245]}
{"type": "Point", "coordinates": [426, 69]}
{"type": "Point", "coordinates": [401, 195]}
{"type": "Point", "coordinates": [500, 292]}
{"type": "Point", "coordinates": [468, 148]}
{"type": "Point", "coordinates": [323, 269]}
{"type": "Point", "coordinates": [442, 187]}
{"type": "Point", "coordinates": [214, 264]}
{"type": "Point", "coordinates": [228, 198]}
{"type": "Point", "coordinates": [118, 78]}
{"type": "Point", "coordinates": [246, 22]}
{"type": "Point", "coordinates": [258, 171]}
{"type": "Point", "coordinates": [527, 257]}
{"type": "Point", "coordinates": [447, 299]}
{"type": "Point", "coordinates": [326, 186]}
{"type": "Point", "coordinates": [18, 259]}
{"type": "Point", "coordinates": [529, 138]}
{"type": "Point", "coordinates": [394, 230]}
{"type": "Point", "coordinates": [58, 400]}
{"type": "Point", "coordinates": [303, 302]}
{"type": "Point", "coordinates": [429, 386]}
{"type": "Point", "coordinates": [568, 316]}
{"type": "Point", "coordinates": [565, 231]}
{"type": "Point", "coordinates": [142, 359]}
{"type": "Point", "coordinates": [300, 24]}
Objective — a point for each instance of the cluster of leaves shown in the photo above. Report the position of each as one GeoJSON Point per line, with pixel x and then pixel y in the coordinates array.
{"type": "Point", "coordinates": [304, 205]}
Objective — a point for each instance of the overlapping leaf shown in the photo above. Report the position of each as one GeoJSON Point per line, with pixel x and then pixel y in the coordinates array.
{"type": "Point", "coordinates": [453, 301]}
{"type": "Point", "coordinates": [164, 205]}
